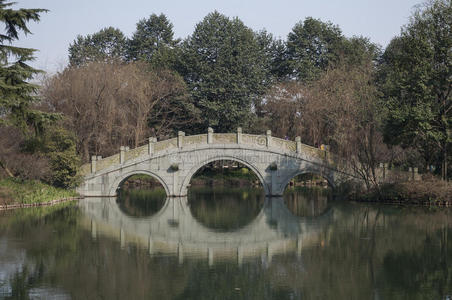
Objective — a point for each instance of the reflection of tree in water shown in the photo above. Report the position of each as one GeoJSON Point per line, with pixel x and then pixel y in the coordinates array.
{"type": "Point", "coordinates": [424, 272]}
{"type": "Point", "coordinates": [250, 281]}
{"type": "Point", "coordinates": [371, 252]}
{"type": "Point", "coordinates": [61, 255]}
{"type": "Point", "coordinates": [141, 203]}
{"type": "Point", "coordinates": [225, 209]}
{"type": "Point", "coordinates": [307, 202]}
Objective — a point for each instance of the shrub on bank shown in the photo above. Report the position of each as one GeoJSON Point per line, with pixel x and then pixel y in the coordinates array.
{"type": "Point", "coordinates": [14, 190]}
{"type": "Point", "coordinates": [429, 190]}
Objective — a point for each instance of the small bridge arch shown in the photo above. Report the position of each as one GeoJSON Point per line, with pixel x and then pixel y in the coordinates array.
{"type": "Point", "coordinates": [123, 177]}
{"type": "Point", "coordinates": [328, 177]}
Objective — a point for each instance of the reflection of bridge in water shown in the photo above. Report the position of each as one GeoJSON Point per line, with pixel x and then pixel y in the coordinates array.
{"type": "Point", "coordinates": [173, 230]}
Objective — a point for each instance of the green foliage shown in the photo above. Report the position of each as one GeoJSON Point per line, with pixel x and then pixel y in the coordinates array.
{"type": "Point", "coordinates": [415, 75]}
{"type": "Point", "coordinates": [31, 191]}
{"type": "Point", "coordinates": [225, 70]}
{"type": "Point", "coordinates": [312, 46]}
{"type": "Point", "coordinates": [59, 146]}
{"type": "Point", "coordinates": [16, 93]}
{"type": "Point", "coordinates": [153, 42]}
{"type": "Point", "coordinates": [275, 53]}
{"type": "Point", "coordinates": [107, 44]}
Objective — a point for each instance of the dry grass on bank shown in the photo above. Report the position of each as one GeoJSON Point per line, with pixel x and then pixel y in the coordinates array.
{"type": "Point", "coordinates": [430, 190]}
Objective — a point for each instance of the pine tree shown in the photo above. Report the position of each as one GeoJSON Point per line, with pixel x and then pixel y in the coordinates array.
{"type": "Point", "coordinates": [226, 71]}
{"type": "Point", "coordinates": [154, 42]}
{"type": "Point", "coordinates": [16, 94]}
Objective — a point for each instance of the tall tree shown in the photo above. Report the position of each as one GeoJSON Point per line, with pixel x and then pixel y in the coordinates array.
{"type": "Point", "coordinates": [154, 42]}
{"type": "Point", "coordinates": [416, 78]}
{"type": "Point", "coordinates": [111, 104]}
{"type": "Point", "coordinates": [107, 44]}
{"type": "Point", "coordinates": [17, 95]}
{"type": "Point", "coordinates": [275, 52]}
{"type": "Point", "coordinates": [225, 69]}
{"type": "Point", "coordinates": [312, 46]}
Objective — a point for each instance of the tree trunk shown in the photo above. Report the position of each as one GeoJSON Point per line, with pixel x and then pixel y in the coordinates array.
{"type": "Point", "coordinates": [8, 172]}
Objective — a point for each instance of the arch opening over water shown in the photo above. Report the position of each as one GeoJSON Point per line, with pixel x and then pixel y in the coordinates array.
{"type": "Point", "coordinates": [233, 167]}
{"type": "Point", "coordinates": [140, 195]}
{"type": "Point", "coordinates": [118, 183]}
{"type": "Point", "coordinates": [225, 172]}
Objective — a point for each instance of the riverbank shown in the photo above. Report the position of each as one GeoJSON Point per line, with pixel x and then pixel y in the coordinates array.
{"type": "Point", "coordinates": [428, 192]}
{"type": "Point", "coordinates": [27, 193]}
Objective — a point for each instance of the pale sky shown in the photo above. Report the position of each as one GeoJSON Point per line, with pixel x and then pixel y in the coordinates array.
{"type": "Point", "coordinates": [380, 20]}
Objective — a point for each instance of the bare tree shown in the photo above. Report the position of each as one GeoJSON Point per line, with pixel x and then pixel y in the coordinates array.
{"type": "Point", "coordinates": [111, 104]}
{"type": "Point", "coordinates": [343, 105]}
{"type": "Point", "coordinates": [340, 109]}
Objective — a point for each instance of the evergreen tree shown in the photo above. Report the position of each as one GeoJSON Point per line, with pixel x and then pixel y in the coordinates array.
{"type": "Point", "coordinates": [107, 44]}
{"type": "Point", "coordinates": [16, 94]}
{"type": "Point", "coordinates": [312, 47]}
{"type": "Point", "coordinates": [275, 52]}
{"type": "Point", "coordinates": [154, 42]}
{"type": "Point", "coordinates": [225, 69]}
{"type": "Point", "coordinates": [416, 72]}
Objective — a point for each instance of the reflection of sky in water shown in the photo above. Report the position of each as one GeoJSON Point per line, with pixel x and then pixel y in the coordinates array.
{"type": "Point", "coordinates": [300, 250]}
{"type": "Point", "coordinates": [11, 260]}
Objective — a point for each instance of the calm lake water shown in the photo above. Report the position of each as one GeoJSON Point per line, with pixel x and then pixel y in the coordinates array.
{"type": "Point", "coordinates": [225, 244]}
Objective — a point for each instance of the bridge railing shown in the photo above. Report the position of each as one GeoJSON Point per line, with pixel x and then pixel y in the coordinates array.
{"type": "Point", "coordinates": [154, 147]}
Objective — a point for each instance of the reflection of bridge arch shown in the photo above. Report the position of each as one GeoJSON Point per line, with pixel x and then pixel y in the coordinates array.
{"type": "Point", "coordinates": [174, 230]}
{"type": "Point", "coordinates": [193, 170]}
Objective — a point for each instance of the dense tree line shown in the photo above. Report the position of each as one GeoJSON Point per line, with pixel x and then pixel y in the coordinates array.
{"type": "Point", "coordinates": [369, 104]}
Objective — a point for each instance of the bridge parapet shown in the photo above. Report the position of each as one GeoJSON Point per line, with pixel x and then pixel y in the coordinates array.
{"type": "Point", "coordinates": [252, 140]}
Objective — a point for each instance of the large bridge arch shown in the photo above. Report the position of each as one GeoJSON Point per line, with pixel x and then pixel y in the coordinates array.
{"type": "Point", "coordinates": [193, 170]}
{"type": "Point", "coordinates": [122, 177]}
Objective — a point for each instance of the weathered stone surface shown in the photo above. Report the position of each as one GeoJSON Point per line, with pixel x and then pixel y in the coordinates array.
{"type": "Point", "coordinates": [194, 152]}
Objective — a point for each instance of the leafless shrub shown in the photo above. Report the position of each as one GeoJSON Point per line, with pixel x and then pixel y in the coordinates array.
{"type": "Point", "coordinates": [17, 163]}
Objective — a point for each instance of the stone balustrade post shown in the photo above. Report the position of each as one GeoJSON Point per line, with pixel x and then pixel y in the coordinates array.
{"type": "Point", "coordinates": [239, 135]}
{"type": "Point", "coordinates": [99, 157]}
{"type": "Point", "coordinates": [209, 135]}
{"type": "Point", "coordinates": [269, 138]}
{"type": "Point", "coordinates": [127, 148]}
{"type": "Point", "coordinates": [152, 141]}
{"type": "Point", "coordinates": [122, 154]}
{"type": "Point", "coordinates": [415, 173]}
{"type": "Point", "coordinates": [410, 173]}
{"type": "Point", "coordinates": [180, 139]}
{"type": "Point", "coordinates": [298, 142]}
{"type": "Point", "coordinates": [93, 164]}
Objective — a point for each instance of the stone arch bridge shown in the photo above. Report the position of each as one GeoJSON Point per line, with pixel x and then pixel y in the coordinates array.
{"type": "Point", "coordinates": [173, 162]}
